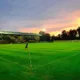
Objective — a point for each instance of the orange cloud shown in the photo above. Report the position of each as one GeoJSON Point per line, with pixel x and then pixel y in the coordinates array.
{"type": "Point", "coordinates": [63, 21]}
{"type": "Point", "coordinates": [29, 30]}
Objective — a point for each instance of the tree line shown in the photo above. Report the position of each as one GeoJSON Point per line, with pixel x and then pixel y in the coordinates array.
{"type": "Point", "coordinates": [18, 38]}
{"type": "Point", "coordinates": [72, 34]}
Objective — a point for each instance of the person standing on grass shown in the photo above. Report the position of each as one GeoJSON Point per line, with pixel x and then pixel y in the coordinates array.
{"type": "Point", "coordinates": [26, 47]}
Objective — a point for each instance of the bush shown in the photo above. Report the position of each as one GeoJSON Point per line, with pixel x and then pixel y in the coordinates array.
{"type": "Point", "coordinates": [32, 41]}
{"type": "Point", "coordinates": [3, 42]}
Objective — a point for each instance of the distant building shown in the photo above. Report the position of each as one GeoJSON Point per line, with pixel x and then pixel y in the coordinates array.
{"type": "Point", "coordinates": [18, 33]}
{"type": "Point", "coordinates": [15, 37]}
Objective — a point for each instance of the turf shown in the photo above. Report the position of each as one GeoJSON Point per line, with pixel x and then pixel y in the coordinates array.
{"type": "Point", "coordinates": [58, 60]}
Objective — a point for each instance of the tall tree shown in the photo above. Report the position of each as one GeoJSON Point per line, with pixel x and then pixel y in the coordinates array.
{"type": "Point", "coordinates": [64, 35]}
{"type": "Point", "coordinates": [42, 37]}
{"type": "Point", "coordinates": [42, 32]}
{"type": "Point", "coordinates": [72, 34]}
{"type": "Point", "coordinates": [78, 30]}
{"type": "Point", "coordinates": [47, 37]}
{"type": "Point", "coordinates": [52, 38]}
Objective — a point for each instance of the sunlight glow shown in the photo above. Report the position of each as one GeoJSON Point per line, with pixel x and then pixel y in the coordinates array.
{"type": "Point", "coordinates": [44, 29]}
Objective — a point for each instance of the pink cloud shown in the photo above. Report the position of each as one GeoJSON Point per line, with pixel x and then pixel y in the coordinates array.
{"type": "Point", "coordinates": [29, 30]}
{"type": "Point", "coordinates": [64, 20]}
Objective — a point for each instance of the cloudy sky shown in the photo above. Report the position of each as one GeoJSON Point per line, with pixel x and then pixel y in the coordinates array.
{"type": "Point", "coordinates": [34, 15]}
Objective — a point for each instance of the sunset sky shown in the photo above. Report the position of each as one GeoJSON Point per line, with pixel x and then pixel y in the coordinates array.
{"type": "Point", "coordinates": [36, 15]}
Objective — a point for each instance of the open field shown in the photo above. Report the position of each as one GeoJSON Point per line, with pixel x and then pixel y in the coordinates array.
{"type": "Point", "coordinates": [50, 61]}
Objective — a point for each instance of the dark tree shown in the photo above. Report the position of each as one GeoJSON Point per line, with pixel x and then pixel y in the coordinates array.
{"type": "Point", "coordinates": [42, 37]}
{"type": "Point", "coordinates": [72, 34]}
{"type": "Point", "coordinates": [64, 35]}
{"type": "Point", "coordinates": [52, 38]}
{"type": "Point", "coordinates": [47, 37]}
{"type": "Point", "coordinates": [42, 32]}
{"type": "Point", "coordinates": [59, 36]}
{"type": "Point", "coordinates": [78, 30]}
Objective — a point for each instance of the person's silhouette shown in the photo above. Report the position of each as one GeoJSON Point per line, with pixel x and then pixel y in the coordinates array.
{"type": "Point", "coordinates": [26, 47]}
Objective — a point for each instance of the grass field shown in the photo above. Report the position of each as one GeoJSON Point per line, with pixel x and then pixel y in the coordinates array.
{"type": "Point", "coordinates": [50, 61]}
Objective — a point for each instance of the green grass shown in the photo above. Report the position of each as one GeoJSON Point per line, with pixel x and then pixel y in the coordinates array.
{"type": "Point", "coordinates": [50, 61]}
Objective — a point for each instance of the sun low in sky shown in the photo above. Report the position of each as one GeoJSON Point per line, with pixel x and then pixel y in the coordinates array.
{"type": "Point", "coordinates": [44, 29]}
{"type": "Point", "coordinates": [33, 15]}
